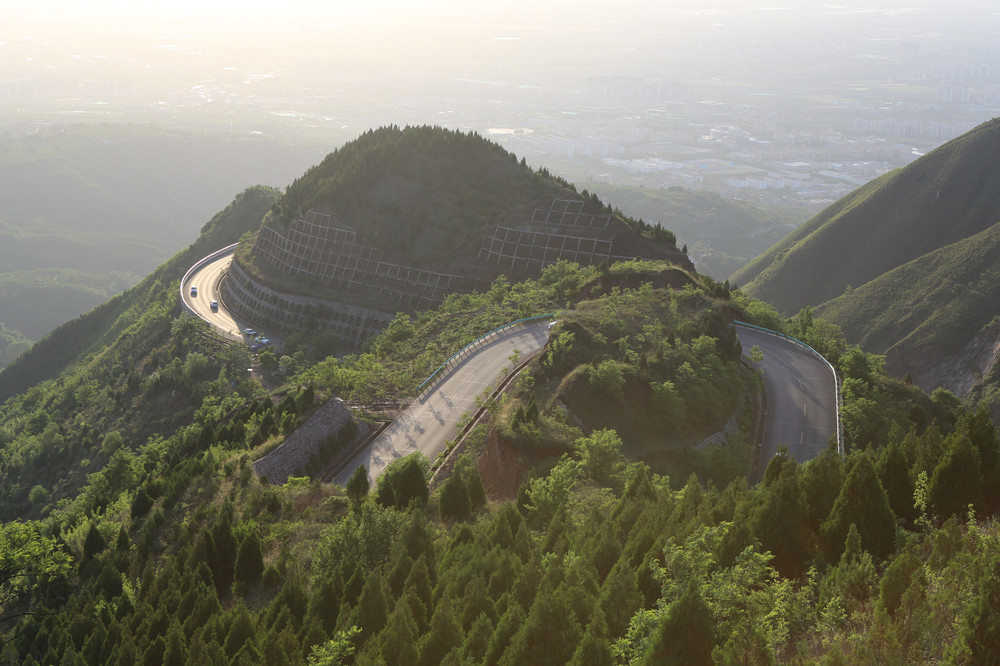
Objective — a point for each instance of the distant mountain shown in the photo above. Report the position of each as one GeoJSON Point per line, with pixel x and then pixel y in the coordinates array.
{"type": "Point", "coordinates": [908, 265]}
{"type": "Point", "coordinates": [88, 210]}
{"type": "Point", "coordinates": [947, 195]}
{"type": "Point", "coordinates": [722, 235]}
{"type": "Point", "coordinates": [94, 330]}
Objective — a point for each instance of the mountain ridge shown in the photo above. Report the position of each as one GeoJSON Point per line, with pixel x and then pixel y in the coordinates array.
{"type": "Point", "coordinates": [948, 194]}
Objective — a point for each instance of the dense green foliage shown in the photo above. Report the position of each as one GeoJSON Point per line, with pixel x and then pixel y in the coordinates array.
{"type": "Point", "coordinates": [950, 194]}
{"type": "Point", "coordinates": [427, 194]}
{"type": "Point", "coordinates": [134, 463]}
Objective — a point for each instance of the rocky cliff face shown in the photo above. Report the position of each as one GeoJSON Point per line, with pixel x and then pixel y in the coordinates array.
{"type": "Point", "coordinates": [931, 367]}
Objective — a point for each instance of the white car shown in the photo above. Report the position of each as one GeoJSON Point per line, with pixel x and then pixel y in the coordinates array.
{"type": "Point", "coordinates": [194, 291]}
{"type": "Point", "coordinates": [214, 305]}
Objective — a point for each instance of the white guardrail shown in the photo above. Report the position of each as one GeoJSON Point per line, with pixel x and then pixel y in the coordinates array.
{"type": "Point", "coordinates": [460, 355]}
{"type": "Point", "coordinates": [197, 266]}
{"type": "Point", "coordinates": [836, 379]}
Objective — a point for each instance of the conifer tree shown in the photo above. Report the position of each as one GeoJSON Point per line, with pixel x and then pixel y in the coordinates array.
{"type": "Point", "coordinates": [242, 631]}
{"type": "Point", "coordinates": [371, 613]}
{"type": "Point", "coordinates": [357, 486]}
{"type": "Point", "coordinates": [862, 502]}
{"type": "Point", "coordinates": [444, 635]}
{"type": "Point", "coordinates": [398, 639]}
{"type": "Point", "coordinates": [94, 543]}
{"type": "Point", "coordinates": [250, 560]}
{"type": "Point", "coordinates": [686, 634]}
{"type": "Point", "coordinates": [980, 629]}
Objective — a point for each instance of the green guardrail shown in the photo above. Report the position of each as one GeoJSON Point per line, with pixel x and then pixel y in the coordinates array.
{"type": "Point", "coordinates": [472, 345]}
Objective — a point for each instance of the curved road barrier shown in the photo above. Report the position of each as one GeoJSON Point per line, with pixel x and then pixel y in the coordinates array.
{"type": "Point", "coordinates": [803, 396]}
{"type": "Point", "coordinates": [430, 422]}
{"type": "Point", "coordinates": [475, 344]}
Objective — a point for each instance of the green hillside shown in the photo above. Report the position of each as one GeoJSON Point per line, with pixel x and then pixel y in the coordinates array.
{"type": "Point", "coordinates": [135, 530]}
{"type": "Point", "coordinates": [932, 305]}
{"type": "Point", "coordinates": [91, 332]}
{"type": "Point", "coordinates": [945, 196]}
{"type": "Point", "coordinates": [87, 210]}
{"type": "Point", "coordinates": [427, 194]}
{"type": "Point", "coordinates": [585, 520]}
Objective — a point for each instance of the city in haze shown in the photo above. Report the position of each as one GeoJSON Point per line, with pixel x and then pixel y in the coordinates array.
{"type": "Point", "coordinates": [792, 104]}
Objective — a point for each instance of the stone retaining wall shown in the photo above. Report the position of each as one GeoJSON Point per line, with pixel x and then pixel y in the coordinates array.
{"type": "Point", "coordinates": [268, 308]}
{"type": "Point", "coordinates": [307, 440]}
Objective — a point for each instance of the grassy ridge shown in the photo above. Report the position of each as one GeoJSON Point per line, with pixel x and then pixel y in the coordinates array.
{"type": "Point", "coordinates": [942, 298]}
{"type": "Point", "coordinates": [947, 195]}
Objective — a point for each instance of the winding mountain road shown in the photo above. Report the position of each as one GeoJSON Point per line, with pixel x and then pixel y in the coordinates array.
{"type": "Point", "coordinates": [207, 275]}
{"type": "Point", "coordinates": [800, 387]}
{"type": "Point", "coordinates": [432, 420]}
{"type": "Point", "coordinates": [801, 392]}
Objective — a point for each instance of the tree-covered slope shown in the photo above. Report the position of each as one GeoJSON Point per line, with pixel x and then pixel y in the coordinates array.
{"type": "Point", "coordinates": [166, 548]}
{"type": "Point", "coordinates": [947, 195]}
{"type": "Point", "coordinates": [135, 531]}
{"type": "Point", "coordinates": [426, 195]}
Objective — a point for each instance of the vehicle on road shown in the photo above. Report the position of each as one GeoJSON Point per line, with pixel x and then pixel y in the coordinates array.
{"type": "Point", "coordinates": [194, 291]}
{"type": "Point", "coordinates": [214, 305]}
{"type": "Point", "coordinates": [250, 332]}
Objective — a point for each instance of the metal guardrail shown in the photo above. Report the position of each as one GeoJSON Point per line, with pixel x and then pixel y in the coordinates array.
{"type": "Point", "coordinates": [464, 351]}
{"type": "Point", "coordinates": [836, 378]}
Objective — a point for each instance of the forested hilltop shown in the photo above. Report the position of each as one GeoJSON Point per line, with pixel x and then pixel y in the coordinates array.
{"type": "Point", "coordinates": [585, 523]}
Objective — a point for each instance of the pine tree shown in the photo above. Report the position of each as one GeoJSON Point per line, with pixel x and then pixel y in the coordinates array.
{"type": "Point", "coordinates": [94, 543]}
{"type": "Point", "coordinates": [250, 560]}
{"type": "Point", "coordinates": [398, 640]}
{"type": "Point", "coordinates": [957, 481]}
{"type": "Point", "coordinates": [862, 502]}
{"type": "Point", "coordinates": [358, 486]}
{"type": "Point", "coordinates": [620, 598]}
{"type": "Point", "coordinates": [454, 500]}
{"type": "Point", "coordinates": [981, 626]}
{"type": "Point", "coordinates": [242, 631]}
{"type": "Point", "coordinates": [594, 649]}
{"type": "Point", "coordinates": [444, 635]}
{"type": "Point", "coordinates": [550, 632]}
{"type": "Point", "coordinates": [176, 653]}
{"type": "Point", "coordinates": [371, 613]}
{"type": "Point", "coordinates": [686, 634]}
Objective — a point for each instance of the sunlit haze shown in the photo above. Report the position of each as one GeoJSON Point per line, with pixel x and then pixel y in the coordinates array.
{"type": "Point", "coordinates": [631, 90]}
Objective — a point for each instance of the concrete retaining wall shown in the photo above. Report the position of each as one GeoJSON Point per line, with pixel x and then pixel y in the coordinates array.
{"type": "Point", "coordinates": [268, 308]}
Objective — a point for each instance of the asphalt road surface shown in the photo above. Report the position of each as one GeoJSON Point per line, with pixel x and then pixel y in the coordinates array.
{"type": "Point", "coordinates": [801, 397]}
{"type": "Point", "coordinates": [207, 280]}
{"type": "Point", "coordinates": [430, 422]}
